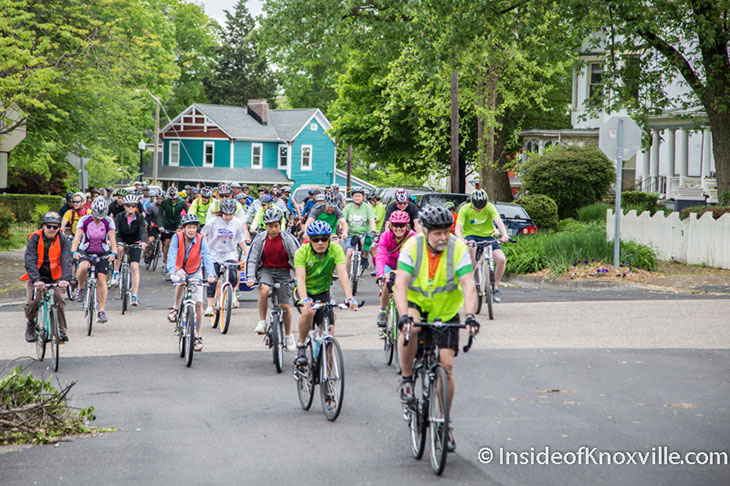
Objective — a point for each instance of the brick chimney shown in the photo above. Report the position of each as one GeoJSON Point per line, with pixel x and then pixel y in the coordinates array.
{"type": "Point", "coordinates": [259, 110]}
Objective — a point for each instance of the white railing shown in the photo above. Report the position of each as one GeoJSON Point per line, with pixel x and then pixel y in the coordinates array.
{"type": "Point", "coordinates": [693, 241]}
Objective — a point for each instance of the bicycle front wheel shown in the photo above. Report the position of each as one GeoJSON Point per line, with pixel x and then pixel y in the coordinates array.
{"type": "Point", "coordinates": [55, 339]}
{"type": "Point", "coordinates": [353, 273]}
{"type": "Point", "coordinates": [227, 302]}
{"type": "Point", "coordinates": [124, 285]}
{"type": "Point", "coordinates": [277, 348]}
{"type": "Point", "coordinates": [90, 306]}
{"type": "Point", "coordinates": [394, 338]}
{"type": "Point", "coordinates": [438, 419]}
{"type": "Point", "coordinates": [156, 258]}
{"type": "Point", "coordinates": [388, 343]}
{"type": "Point", "coordinates": [478, 284]}
{"type": "Point", "coordinates": [488, 294]}
{"type": "Point", "coordinates": [189, 335]}
{"type": "Point", "coordinates": [417, 415]}
{"type": "Point", "coordinates": [304, 377]}
{"type": "Point", "coordinates": [217, 306]}
{"type": "Point", "coordinates": [331, 379]}
{"type": "Point", "coordinates": [40, 340]}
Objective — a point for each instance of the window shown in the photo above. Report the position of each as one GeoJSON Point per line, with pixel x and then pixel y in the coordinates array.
{"type": "Point", "coordinates": [208, 154]}
{"type": "Point", "coordinates": [283, 156]}
{"type": "Point", "coordinates": [595, 88]}
{"type": "Point", "coordinates": [256, 149]}
{"type": "Point", "coordinates": [306, 157]}
{"type": "Point", "coordinates": [174, 158]}
{"type": "Point", "coordinates": [313, 127]}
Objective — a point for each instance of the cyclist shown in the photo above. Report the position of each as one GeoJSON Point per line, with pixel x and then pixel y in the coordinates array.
{"type": "Point", "coordinates": [131, 230]}
{"type": "Point", "coordinates": [144, 197]}
{"type": "Point", "coordinates": [360, 219]}
{"type": "Point", "coordinates": [476, 223]}
{"type": "Point", "coordinates": [311, 202]}
{"type": "Point", "coordinates": [314, 264]}
{"type": "Point", "coordinates": [67, 203]}
{"type": "Point", "coordinates": [247, 199]}
{"type": "Point", "coordinates": [169, 217]}
{"type": "Point", "coordinates": [386, 261]}
{"type": "Point", "coordinates": [200, 205]}
{"type": "Point", "coordinates": [152, 211]}
{"type": "Point", "coordinates": [404, 203]}
{"type": "Point", "coordinates": [224, 192]}
{"type": "Point", "coordinates": [188, 255]}
{"type": "Point", "coordinates": [434, 279]}
{"type": "Point", "coordinates": [341, 199]}
{"type": "Point", "coordinates": [450, 206]}
{"type": "Point", "coordinates": [255, 205]}
{"type": "Point", "coordinates": [271, 261]}
{"type": "Point", "coordinates": [330, 214]}
{"type": "Point", "coordinates": [117, 206]}
{"type": "Point", "coordinates": [95, 235]}
{"type": "Point", "coordinates": [47, 260]}
{"type": "Point", "coordinates": [258, 225]}
{"type": "Point", "coordinates": [224, 234]}
{"type": "Point", "coordinates": [379, 211]}
{"type": "Point", "coordinates": [73, 215]}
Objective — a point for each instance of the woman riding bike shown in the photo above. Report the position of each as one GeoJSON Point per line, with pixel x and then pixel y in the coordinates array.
{"type": "Point", "coordinates": [386, 260]}
{"type": "Point", "coordinates": [131, 230]}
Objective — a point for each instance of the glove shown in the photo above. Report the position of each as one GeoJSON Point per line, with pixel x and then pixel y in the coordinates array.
{"type": "Point", "coordinates": [403, 320]}
{"type": "Point", "coordinates": [175, 279]}
{"type": "Point", "coordinates": [472, 322]}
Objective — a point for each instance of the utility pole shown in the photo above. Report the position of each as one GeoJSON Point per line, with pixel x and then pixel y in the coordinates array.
{"type": "Point", "coordinates": [157, 139]}
{"type": "Point", "coordinates": [349, 169]}
{"type": "Point", "coordinates": [454, 131]}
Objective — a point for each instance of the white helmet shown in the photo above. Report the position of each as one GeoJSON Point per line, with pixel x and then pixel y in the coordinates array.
{"type": "Point", "coordinates": [99, 208]}
{"type": "Point", "coordinates": [131, 199]}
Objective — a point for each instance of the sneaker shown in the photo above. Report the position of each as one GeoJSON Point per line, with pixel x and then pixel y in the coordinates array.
{"type": "Point", "coordinates": [79, 295]}
{"type": "Point", "coordinates": [289, 343]}
{"type": "Point", "coordinates": [30, 331]}
{"type": "Point", "coordinates": [209, 311]}
{"type": "Point", "coordinates": [198, 344]}
{"type": "Point", "coordinates": [382, 318]}
{"type": "Point", "coordinates": [115, 278]}
{"type": "Point", "coordinates": [450, 442]}
{"type": "Point", "coordinates": [301, 359]}
{"type": "Point", "coordinates": [234, 304]}
{"type": "Point", "coordinates": [101, 317]}
{"type": "Point", "coordinates": [406, 390]}
{"type": "Point", "coordinates": [496, 297]}
{"type": "Point", "coordinates": [373, 273]}
{"type": "Point", "coordinates": [260, 327]}
{"type": "Point", "coordinates": [63, 337]}
{"type": "Point", "coordinates": [135, 301]}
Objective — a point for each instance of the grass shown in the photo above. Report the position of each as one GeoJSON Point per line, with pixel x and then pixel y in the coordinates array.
{"type": "Point", "coordinates": [593, 212]}
{"type": "Point", "coordinates": [17, 240]}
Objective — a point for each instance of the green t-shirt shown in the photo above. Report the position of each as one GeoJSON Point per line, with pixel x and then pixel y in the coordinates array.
{"type": "Point", "coordinates": [379, 211]}
{"type": "Point", "coordinates": [478, 223]}
{"type": "Point", "coordinates": [358, 219]}
{"type": "Point", "coordinates": [319, 268]}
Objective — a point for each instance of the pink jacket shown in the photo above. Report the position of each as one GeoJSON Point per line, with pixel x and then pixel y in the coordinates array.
{"type": "Point", "coordinates": [388, 251]}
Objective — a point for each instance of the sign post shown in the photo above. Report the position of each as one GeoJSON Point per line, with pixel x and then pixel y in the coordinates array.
{"type": "Point", "coordinates": [619, 177]}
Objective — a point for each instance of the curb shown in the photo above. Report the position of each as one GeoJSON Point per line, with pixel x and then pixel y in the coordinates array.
{"type": "Point", "coordinates": [538, 283]}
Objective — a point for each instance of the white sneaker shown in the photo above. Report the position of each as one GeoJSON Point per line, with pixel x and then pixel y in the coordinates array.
{"type": "Point", "coordinates": [209, 311]}
{"type": "Point", "coordinates": [260, 327]}
{"type": "Point", "coordinates": [289, 343]}
{"type": "Point", "coordinates": [234, 304]}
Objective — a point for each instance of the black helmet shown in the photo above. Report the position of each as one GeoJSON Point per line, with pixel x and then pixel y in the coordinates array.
{"type": "Point", "coordinates": [273, 215]}
{"type": "Point", "coordinates": [479, 198]}
{"type": "Point", "coordinates": [69, 196]}
{"type": "Point", "coordinates": [52, 217]}
{"type": "Point", "coordinates": [436, 217]}
{"type": "Point", "coordinates": [228, 206]}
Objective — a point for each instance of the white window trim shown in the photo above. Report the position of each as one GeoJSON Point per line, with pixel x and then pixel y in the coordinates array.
{"type": "Point", "coordinates": [261, 155]}
{"type": "Point", "coordinates": [301, 160]}
{"type": "Point", "coordinates": [205, 150]}
{"type": "Point", "coordinates": [278, 156]}
{"type": "Point", "coordinates": [169, 156]}
{"type": "Point", "coordinates": [313, 127]}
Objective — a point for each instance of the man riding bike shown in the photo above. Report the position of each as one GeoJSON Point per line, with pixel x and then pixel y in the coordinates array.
{"type": "Point", "coordinates": [47, 260]}
{"type": "Point", "coordinates": [258, 225]}
{"type": "Point", "coordinates": [360, 219]}
{"type": "Point", "coordinates": [169, 217]}
{"type": "Point", "coordinates": [314, 264]}
{"type": "Point", "coordinates": [73, 215]}
{"type": "Point", "coordinates": [476, 223]}
{"type": "Point", "coordinates": [434, 279]}
{"type": "Point", "coordinates": [402, 202]}
{"type": "Point", "coordinates": [95, 235]}
{"type": "Point", "coordinates": [200, 205]}
{"type": "Point", "coordinates": [224, 192]}
{"type": "Point", "coordinates": [330, 214]}
{"type": "Point", "coordinates": [131, 230]}
{"type": "Point", "coordinates": [386, 261]}
{"type": "Point", "coordinates": [270, 261]}
{"type": "Point", "coordinates": [224, 234]}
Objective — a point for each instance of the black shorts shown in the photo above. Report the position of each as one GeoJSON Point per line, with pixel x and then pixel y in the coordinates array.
{"type": "Point", "coordinates": [170, 230]}
{"type": "Point", "coordinates": [134, 254]}
{"type": "Point", "coordinates": [319, 314]}
{"type": "Point", "coordinates": [445, 338]}
{"type": "Point", "coordinates": [102, 266]}
{"type": "Point", "coordinates": [153, 231]}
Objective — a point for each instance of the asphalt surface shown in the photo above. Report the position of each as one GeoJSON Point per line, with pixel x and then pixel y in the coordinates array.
{"type": "Point", "coordinates": [622, 371]}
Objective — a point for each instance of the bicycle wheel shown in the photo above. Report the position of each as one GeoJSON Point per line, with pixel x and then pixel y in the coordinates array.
{"type": "Point", "coordinates": [331, 379]}
{"type": "Point", "coordinates": [124, 290]}
{"type": "Point", "coordinates": [488, 294]}
{"type": "Point", "coordinates": [353, 273]}
{"type": "Point", "coordinates": [394, 339]}
{"type": "Point", "coordinates": [158, 250]}
{"type": "Point", "coordinates": [277, 344]}
{"type": "Point", "coordinates": [478, 284]}
{"type": "Point", "coordinates": [55, 339]}
{"type": "Point", "coordinates": [417, 415]}
{"type": "Point", "coordinates": [180, 334]}
{"type": "Point", "coordinates": [227, 302]}
{"type": "Point", "coordinates": [217, 306]}
{"type": "Point", "coordinates": [189, 336]}
{"type": "Point", "coordinates": [438, 419]}
{"type": "Point", "coordinates": [305, 379]}
{"type": "Point", "coordinates": [40, 339]}
{"type": "Point", "coordinates": [90, 305]}
{"type": "Point", "coordinates": [388, 343]}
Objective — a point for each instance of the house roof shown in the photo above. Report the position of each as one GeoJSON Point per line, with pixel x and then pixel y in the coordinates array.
{"type": "Point", "coordinates": [218, 175]}
{"type": "Point", "coordinates": [289, 122]}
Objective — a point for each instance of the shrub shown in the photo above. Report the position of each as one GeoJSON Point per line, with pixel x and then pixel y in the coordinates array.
{"type": "Point", "coordinates": [7, 218]}
{"type": "Point", "coordinates": [637, 199]}
{"type": "Point", "coordinates": [542, 210]}
{"type": "Point", "coordinates": [572, 176]}
{"type": "Point", "coordinates": [725, 200]}
{"type": "Point", "coordinates": [593, 212]}
{"type": "Point", "coordinates": [22, 205]}
{"type": "Point", "coordinates": [717, 211]}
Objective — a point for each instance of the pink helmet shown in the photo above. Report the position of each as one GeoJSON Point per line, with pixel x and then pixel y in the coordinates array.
{"type": "Point", "coordinates": [399, 217]}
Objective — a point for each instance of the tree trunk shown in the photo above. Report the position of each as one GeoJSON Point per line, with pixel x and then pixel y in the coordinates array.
{"type": "Point", "coordinates": [720, 126]}
{"type": "Point", "coordinates": [455, 169]}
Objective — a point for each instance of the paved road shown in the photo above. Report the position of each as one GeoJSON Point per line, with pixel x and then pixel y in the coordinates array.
{"type": "Point", "coordinates": [557, 369]}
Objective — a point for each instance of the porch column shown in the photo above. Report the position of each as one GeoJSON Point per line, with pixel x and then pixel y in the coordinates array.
{"type": "Point", "coordinates": [671, 162]}
{"type": "Point", "coordinates": [654, 161]}
{"type": "Point", "coordinates": [706, 154]}
{"type": "Point", "coordinates": [683, 154]}
{"type": "Point", "coordinates": [644, 175]}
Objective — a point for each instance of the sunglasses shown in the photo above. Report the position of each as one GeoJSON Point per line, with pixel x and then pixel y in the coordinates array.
{"type": "Point", "coordinates": [77, 202]}
{"type": "Point", "coordinates": [130, 205]}
{"type": "Point", "coordinates": [398, 225]}
{"type": "Point", "coordinates": [52, 226]}
{"type": "Point", "coordinates": [321, 239]}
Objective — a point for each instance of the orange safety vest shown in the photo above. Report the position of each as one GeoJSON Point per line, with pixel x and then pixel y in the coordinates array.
{"type": "Point", "coordinates": [54, 255]}
{"type": "Point", "coordinates": [192, 264]}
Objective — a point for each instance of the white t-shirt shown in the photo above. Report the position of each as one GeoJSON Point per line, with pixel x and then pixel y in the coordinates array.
{"type": "Point", "coordinates": [223, 238]}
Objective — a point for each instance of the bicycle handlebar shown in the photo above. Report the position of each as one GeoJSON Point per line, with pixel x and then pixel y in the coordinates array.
{"type": "Point", "coordinates": [327, 305]}
{"type": "Point", "coordinates": [276, 285]}
{"type": "Point", "coordinates": [436, 325]}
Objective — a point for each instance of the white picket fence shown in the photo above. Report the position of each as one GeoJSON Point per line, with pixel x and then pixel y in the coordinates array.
{"type": "Point", "coordinates": [694, 240]}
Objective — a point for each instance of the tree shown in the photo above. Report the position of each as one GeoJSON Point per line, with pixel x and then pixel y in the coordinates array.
{"type": "Point", "coordinates": [240, 72]}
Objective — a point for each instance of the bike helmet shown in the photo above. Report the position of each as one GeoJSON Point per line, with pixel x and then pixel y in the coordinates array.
{"type": "Point", "coordinates": [244, 186]}
{"type": "Point", "coordinates": [235, 185]}
{"type": "Point", "coordinates": [69, 196]}
{"type": "Point", "coordinates": [267, 199]}
{"type": "Point", "coordinates": [145, 187]}
{"type": "Point", "coordinates": [436, 217]}
{"type": "Point", "coordinates": [182, 194]}
{"type": "Point", "coordinates": [207, 192]}
{"type": "Point", "coordinates": [120, 192]}
{"type": "Point", "coordinates": [224, 189]}
{"type": "Point", "coordinates": [449, 205]}
{"type": "Point", "coordinates": [335, 186]}
{"type": "Point", "coordinates": [228, 206]}
{"type": "Point", "coordinates": [172, 192]}
{"type": "Point", "coordinates": [189, 219]}
{"type": "Point", "coordinates": [273, 215]}
{"type": "Point", "coordinates": [241, 197]}
{"type": "Point", "coordinates": [52, 217]}
{"type": "Point", "coordinates": [130, 199]}
{"type": "Point", "coordinates": [401, 195]}
{"type": "Point", "coordinates": [319, 198]}
{"type": "Point", "coordinates": [319, 227]}
{"type": "Point", "coordinates": [286, 190]}
{"type": "Point", "coordinates": [358, 189]}
{"type": "Point", "coordinates": [99, 208]}
{"type": "Point", "coordinates": [276, 192]}
{"type": "Point", "coordinates": [330, 200]}
{"type": "Point", "coordinates": [479, 199]}
{"type": "Point", "coordinates": [399, 217]}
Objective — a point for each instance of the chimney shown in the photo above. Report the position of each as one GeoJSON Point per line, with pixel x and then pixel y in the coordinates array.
{"type": "Point", "coordinates": [259, 110]}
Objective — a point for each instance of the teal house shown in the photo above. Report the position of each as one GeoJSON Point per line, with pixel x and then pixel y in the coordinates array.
{"type": "Point", "coordinates": [211, 144]}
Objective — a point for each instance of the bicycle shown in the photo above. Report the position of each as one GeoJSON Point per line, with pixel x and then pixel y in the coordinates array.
{"type": "Point", "coordinates": [155, 252]}
{"type": "Point", "coordinates": [328, 373]}
{"type": "Point", "coordinates": [185, 324]}
{"type": "Point", "coordinates": [356, 259]}
{"type": "Point", "coordinates": [389, 334]}
{"type": "Point", "coordinates": [48, 331]}
{"type": "Point", "coordinates": [484, 280]}
{"type": "Point", "coordinates": [91, 301]}
{"type": "Point", "coordinates": [274, 337]}
{"type": "Point", "coordinates": [224, 295]}
{"type": "Point", "coordinates": [125, 276]}
{"type": "Point", "coordinates": [73, 284]}
{"type": "Point", "coordinates": [430, 409]}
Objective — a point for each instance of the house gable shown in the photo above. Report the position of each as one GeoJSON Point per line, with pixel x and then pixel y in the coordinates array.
{"type": "Point", "coordinates": [193, 123]}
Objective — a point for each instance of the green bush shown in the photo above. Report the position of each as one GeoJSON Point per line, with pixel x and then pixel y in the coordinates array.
{"type": "Point", "coordinates": [725, 200]}
{"type": "Point", "coordinates": [7, 218]}
{"type": "Point", "coordinates": [542, 210]}
{"type": "Point", "coordinates": [717, 211]}
{"type": "Point", "coordinates": [572, 176]}
{"type": "Point", "coordinates": [593, 212]}
{"type": "Point", "coordinates": [23, 205]}
{"type": "Point", "coordinates": [647, 200]}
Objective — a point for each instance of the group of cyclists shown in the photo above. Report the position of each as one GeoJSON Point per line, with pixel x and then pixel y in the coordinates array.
{"type": "Point", "coordinates": [427, 249]}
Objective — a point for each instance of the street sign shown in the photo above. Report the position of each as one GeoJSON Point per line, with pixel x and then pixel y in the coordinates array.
{"type": "Point", "coordinates": [607, 135]}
